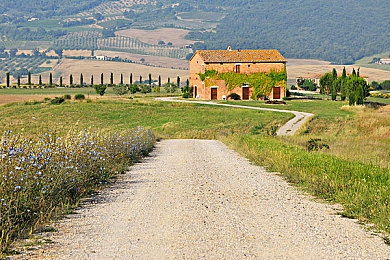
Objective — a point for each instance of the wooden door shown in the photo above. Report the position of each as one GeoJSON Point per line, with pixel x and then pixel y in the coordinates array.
{"type": "Point", "coordinates": [276, 92]}
{"type": "Point", "coordinates": [214, 93]}
{"type": "Point", "coordinates": [245, 93]}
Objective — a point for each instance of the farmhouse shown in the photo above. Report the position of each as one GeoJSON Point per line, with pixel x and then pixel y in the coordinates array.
{"type": "Point", "coordinates": [249, 74]}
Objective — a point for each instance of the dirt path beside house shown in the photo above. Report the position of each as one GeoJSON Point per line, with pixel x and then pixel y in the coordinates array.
{"type": "Point", "coordinates": [289, 128]}
{"type": "Point", "coordinates": [197, 199]}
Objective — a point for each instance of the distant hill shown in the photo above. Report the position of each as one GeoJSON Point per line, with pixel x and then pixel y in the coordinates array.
{"type": "Point", "coordinates": [337, 31]}
{"type": "Point", "coordinates": [333, 30]}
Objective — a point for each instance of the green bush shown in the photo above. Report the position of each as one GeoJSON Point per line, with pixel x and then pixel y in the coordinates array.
{"type": "Point", "coordinates": [57, 101]}
{"type": "Point", "coordinates": [100, 89]}
{"type": "Point", "coordinates": [79, 97]}
{"type": "Point", "coordinates": [234, 96]}
{"type": "Point", "coordinates": [67, 96]}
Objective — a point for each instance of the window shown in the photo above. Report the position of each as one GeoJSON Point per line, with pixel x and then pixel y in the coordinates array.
{"type": "Point", "coordinates": [237, 68]}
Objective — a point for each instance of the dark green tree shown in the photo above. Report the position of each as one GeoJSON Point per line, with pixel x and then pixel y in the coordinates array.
{"type": "Point", "coordinates": [326, 82]}
{"type": "Point", "coordinates": [19, 81]}
{"type": "Point", "coordinates": [101, 79]}
{"type": "Point", "coordinates": [71, 80]}
{"type": "Point", "coordinates": [111, 79]}
{"type": "Point", "coordinates": [131, 79]}
{"type": "Point", "coordinates": [8, 79]}
{"type": "Point", "coordinates": [61, 82]}
{"type": "Point", "coordinates": [140, 79]}
{"type": "Point", "coordinates": [150, 80]}
{"type": "Point", "coordinates": [29, 78]}
{"type": "Point", "coordinates": [81, 79]}
{"type": "Point", "coordinates": [121, 79]}
{"type": "Point", "coordinates": [40, 80]}
{"type": "Point", "coordinates": [91, 80]}
{"type": "Point", "coordinates": [178, 81]}
{"type": "Point", "coordinates": [100, 89]}
{"type": "Point", "coordinates": [51, 79]}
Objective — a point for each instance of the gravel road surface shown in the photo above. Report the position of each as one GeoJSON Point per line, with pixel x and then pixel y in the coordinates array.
{"type": "Point", "coordinates": [197, 199]}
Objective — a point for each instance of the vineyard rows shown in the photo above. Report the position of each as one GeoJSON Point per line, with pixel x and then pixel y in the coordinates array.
{"type": "Point", "coordinates": [91, 40]}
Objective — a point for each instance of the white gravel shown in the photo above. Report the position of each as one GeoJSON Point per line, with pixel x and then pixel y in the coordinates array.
{"type": "Point", "coordinates": [197, 199]}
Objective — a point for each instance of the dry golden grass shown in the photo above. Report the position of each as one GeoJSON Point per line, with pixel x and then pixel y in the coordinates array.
{"type": "Point", "coordinates": [152, 60]}
{"type": "Point", "coordinates": [301, 68]}
{"type": "Point", "coordinates": [96, 68]}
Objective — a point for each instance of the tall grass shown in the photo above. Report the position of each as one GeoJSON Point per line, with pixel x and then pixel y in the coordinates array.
{"type": "Point", "coordinates": [41, 177]}
{"type": "Point", "coordinates": [363, 189]}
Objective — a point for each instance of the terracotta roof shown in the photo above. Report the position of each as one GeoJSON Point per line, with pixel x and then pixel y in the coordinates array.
{"type": "Point", "coordinates": [241, 56]}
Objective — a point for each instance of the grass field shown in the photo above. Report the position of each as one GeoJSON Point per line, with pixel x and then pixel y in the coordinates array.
{"type": "Point", "coordinates": [354, 171]}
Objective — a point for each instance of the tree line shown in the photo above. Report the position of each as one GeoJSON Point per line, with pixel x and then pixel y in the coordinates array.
{"type": "Point", "coordinates": [353, 87]}
{"type": "Point", "coordinates": [121, 88]}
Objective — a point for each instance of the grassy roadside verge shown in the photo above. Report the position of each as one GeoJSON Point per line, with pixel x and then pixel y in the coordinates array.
{"type": "Point", "coordinates": [362, 189]}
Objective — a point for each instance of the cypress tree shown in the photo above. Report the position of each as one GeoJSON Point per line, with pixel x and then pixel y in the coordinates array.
{"type": "Point", "coordinates": [71, 80]}
{"type": "Point", "coordinates": [29, 78]}
{"type": "Point", "coordinates": [101, 79]}
{"type": "Point", "coordinates": [140, 79]}
{"type": "Point", "coordinates": [150, 80]}
{"type": "Point", "coordinates": [19, 81]}
{"type": "Point", "coordinates": [131, 79]}
{"type": "Point", "coordinates": [61, 82]}
{"type": "Point", "coordinates": [8, 79]}
{"type": "Point", "coordinates": [121, 79]}
{"type": "Point", "coordinates": [112, 79]}
{"type": "Point", "coordinates": [159, 81]}
{"type": "Point", "coordinates": [178, 81]}
{"type": "Point", "coordinates": [92, 80]}
{"type": "Point", "coordinates": [40, 80]}
{"type": "Point", "coordinates": [81, 79]}
{"type": "Point", "coordinates": [51, 79]}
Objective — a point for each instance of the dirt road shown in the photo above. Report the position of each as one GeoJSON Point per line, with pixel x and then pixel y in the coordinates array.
{"type": "Point", "coordinates": [197, 199]}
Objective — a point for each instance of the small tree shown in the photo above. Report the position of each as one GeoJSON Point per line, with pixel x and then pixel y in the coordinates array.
{"type": "Point", "coordinates": [60, 82]}
{"type": "Point", "coordinates": [71, 80]}
{"type": "Point", "coordinates": [102, 79]}
{"type": "Point", "coordinates": [121, 79]}
{"type": "Point", "coordinates": [92, 80]}
{"type": "Point", "coordinates": [51, 79]}
{"type": "Point", "coordinates": [40, 80]}
{"type": "Point", "coordinates": [18, 81]}
{"type": "Point", "coordinates": [150, 80]}
{"type": "Point", "coordinates": [100, 89]}
{"type": "Point", "coordinates": [111, 79]}
{"type": "Point", "coordinates": [131, 79]}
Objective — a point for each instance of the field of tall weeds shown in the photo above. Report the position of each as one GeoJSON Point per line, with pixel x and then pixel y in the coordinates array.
{"type": "Point", "coordinates": [42, 176]}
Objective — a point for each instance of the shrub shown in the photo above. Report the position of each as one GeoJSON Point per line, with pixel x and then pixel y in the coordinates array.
{"type": "Point", "coordinates": [234, 96]}
{"type": "Point", "coordinates": [79, 97]}
{"type": "Point", "coordinates": [186, 95]}
{"type": "Point", "coordinates": [67, 97]}
{"type": "Point", "coordinates": [57, 101]}
{"type": "Point", "coordinates": [120, 90]}
{"type": "Point", "coordinates": [315, 145]}
{"type": "Point", "coordinates": [100, 89]}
